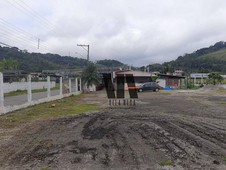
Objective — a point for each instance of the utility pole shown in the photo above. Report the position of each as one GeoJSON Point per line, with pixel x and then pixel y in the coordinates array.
{"type": "Point", "coordinates": [82, 45]}
{"type": "Point", "coordinates": [38, 43]}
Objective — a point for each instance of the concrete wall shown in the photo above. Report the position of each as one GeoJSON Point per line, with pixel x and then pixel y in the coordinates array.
{"type": "Point", "coordinates": [7, 109]}
{"type": "Point", "coordinates": [8, 87]}
{"type": "Point", "coordinates": [34, 85]}
{"type": "Point", "coordinates": [92, 88]}
{"type": "Point", "coordinates": [161, 82]}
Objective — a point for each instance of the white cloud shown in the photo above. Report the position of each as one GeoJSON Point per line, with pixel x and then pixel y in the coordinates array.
{"type": "Point", "coordinates": [132, 31]}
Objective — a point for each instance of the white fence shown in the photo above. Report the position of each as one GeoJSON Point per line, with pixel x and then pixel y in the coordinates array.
{"type": "Point", "coordinates": [33, 85]}
{"type": "Point", "coordinates": [14, 86]}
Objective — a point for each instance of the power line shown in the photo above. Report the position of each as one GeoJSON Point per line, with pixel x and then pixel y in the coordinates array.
{"type": "Point", "coordinates": [13, 35]}
{"type": "Point", "coordinates": [20, 39]}
{"type": "Point", "coordinates": [26, 9]}
{"type": "Point", "coordinates": [31, 14]}
{"type": "Point", "coordinates": [36, 14]}
{"type": "Point", "coordinates": [5, 44]}
{"type": "Point", "coordinates": [17, 30]}
{"type": "Point", "coordinates": [22, 35]}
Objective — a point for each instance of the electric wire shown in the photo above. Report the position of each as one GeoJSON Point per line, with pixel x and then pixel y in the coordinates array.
{"type": "Point", "coordinates": [21, 36]}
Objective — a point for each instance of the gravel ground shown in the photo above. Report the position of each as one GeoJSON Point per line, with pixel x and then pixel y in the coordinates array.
{"type": "Point", "coordinates": [166, 130]}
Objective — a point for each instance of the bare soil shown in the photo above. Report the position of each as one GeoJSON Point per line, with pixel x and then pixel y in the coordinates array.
{"type": "Point", "coordinates": [187, 129]}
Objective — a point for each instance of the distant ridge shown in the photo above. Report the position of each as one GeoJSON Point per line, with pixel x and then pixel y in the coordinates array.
{"type": "Point", "coordinates": [209, 59]}
{"type": "Point", "coordinates": [36, 62]}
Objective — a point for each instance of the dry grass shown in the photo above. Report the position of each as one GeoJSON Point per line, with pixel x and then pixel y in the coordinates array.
{"type": "Point", "coordinates": [167, 163]}
{"type": "Point", "coordinates": [221, 90]}
{"type": "Point", "coordinates": [68, 106]}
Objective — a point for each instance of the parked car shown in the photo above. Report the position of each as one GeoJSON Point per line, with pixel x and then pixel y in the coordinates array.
{"type": "Point", "coordinates": [153, 86]}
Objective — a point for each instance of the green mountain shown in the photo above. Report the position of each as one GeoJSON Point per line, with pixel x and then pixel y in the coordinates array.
{"type": "Point", "coordinates": [36, 62]}
{"type": "Point", "coordinates": [110, 63]}
{"type": "Point", "coordinates": [210, 59]}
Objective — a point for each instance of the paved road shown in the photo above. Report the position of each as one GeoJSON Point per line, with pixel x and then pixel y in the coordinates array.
{"type": "Point", "coordinates": [21, 99]}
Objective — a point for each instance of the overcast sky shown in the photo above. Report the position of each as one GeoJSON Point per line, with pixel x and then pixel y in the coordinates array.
{"type": "Point", "coordinates": [136, 32]}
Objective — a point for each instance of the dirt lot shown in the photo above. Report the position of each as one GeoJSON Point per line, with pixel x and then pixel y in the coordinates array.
{"type": "Point", "coordinates": [166, 130]}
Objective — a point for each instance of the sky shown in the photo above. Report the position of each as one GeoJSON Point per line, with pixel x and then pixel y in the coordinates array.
{"type": "Point", "coordinates": [135, 32]}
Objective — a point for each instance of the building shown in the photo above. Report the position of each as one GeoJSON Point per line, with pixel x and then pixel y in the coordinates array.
{"type": "Point", "coordinates": [18, 75]}
{"type": "Point", "coordinates": [178, 72]}
{"type": "Point", "coordinates": [171, 81]}
{"type": "Point", "coordinates": [139, 76]}
{"type": "Point", "coordinates": [200, 78]}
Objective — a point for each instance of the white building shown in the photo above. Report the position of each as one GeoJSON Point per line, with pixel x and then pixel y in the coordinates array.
{"type": "Point", "coordinates": [202, 75]}
{"type": "Point", "coordinates": [199, 75]}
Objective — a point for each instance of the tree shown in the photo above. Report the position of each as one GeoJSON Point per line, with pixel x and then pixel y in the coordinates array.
{"type": "Point", "coordinates": [8, 64]}
{"type": "Point", "coordinates": [167, 67]}
{"type": "Point", "coordinates": [90, 76]}
{"type": "Point", "coordinates": [215, 77]}
{"type": "Point", "coordinates": [142, 68]}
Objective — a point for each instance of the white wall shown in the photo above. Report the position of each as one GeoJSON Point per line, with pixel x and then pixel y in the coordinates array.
{"type": "Point", "coordinates": [35, 85]}
{"type": "Point", "coordinates": [7, 109]}
{"type": "Point", "coordinates": [161, 82]}
{"type": "Point", "coordinates": [92, 88]}
{"type": "Point", "coordinates": [8, 87]}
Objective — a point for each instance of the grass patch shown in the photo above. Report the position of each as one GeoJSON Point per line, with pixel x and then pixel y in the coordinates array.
{"type": "Point", "coordinates": [221, 90]}
{"type": "Point", "coordinates": [224, 158]}
{"type": "Point", "coordinates": [167, 163]}
{"type": "Point", "coordinates": [15, 93]}
{"type": "Point", "coordinates": [194, 88]}
{"type": "Point", "coordinates": [45, 169]}
{"type": "Point", "coordinates": [223, 103]}
{"type": "Point", "coordinates": [21, 92]}
{"type": "Point", "coordinates": [51, 110]}
{"type": "Point", "coordinates": [164, 92]}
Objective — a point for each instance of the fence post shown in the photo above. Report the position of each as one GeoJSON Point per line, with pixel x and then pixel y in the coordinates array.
{"type": "Point", "coordinates": [76, 84]}
{"type": "Point", "coordinates": [48, 88]}
{"type": "Point", "coordinates": [29, 93]}
{"type": "Point", "coordinates": [1, 91]}
{"type": "Point", "coordinates": [69, 83]}
{"type": "Point", "coordinates": [61, 86]}
{"type": "Point", "coordinates": [80, 84]}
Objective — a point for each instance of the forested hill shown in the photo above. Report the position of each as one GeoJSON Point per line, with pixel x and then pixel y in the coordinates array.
{"type": "Point", "coordinates": [210, 59]}
{"type": "Point", "coordinates": [36, 62]}
{"type": "Point", "coordinates": [110, 63]}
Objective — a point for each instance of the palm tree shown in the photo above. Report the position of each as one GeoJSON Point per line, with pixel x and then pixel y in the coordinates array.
{"type": "Point", "coordinates": [90, 76]}
{"type": "Point", "coordinates": [215, 77]}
